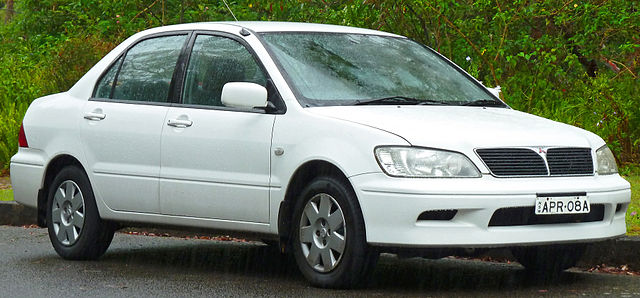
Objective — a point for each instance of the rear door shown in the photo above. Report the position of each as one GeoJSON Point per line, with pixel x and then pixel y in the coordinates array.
{"type": "Point", "coordinates": [215, 159]}
{"type": "Point", "coordinates": [123, 123]}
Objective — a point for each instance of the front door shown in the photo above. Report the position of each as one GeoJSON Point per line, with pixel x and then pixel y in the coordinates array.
{"type": "Point", "coordinates": [215, 159]}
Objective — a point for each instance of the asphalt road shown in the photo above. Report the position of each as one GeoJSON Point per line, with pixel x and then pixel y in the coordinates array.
{"type": "Point", "coordinates": [141, 266]}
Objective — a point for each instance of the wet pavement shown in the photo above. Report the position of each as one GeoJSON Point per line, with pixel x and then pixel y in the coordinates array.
{"type": "Point", "coordinates": [160, 266]}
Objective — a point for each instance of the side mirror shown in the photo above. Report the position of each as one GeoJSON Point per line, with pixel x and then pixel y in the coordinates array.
{"type": "Point", "coordinates": [244, 95]}
{"type": "Point", "coordinates": [495, 91]}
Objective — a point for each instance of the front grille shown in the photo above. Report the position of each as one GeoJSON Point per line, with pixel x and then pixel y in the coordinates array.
{"type": "Point", "coordinates": [513, 162]}
{"type": "Point", "coordinates": [527, 162]}
{"type": "Point", "coordinates": [523, 216]}
{"type": "Point", "coordinates": [570, 161]}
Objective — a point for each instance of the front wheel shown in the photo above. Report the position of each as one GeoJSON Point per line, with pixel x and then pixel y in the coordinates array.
{"type": "Point", "coordinates": [329, 241]}
{"type": "Point", "coordinates": [75, 228]}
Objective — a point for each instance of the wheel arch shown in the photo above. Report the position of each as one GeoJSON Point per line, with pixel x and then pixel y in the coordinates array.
{"type": "Point", "coordinates": [53, 167]}
{"type": "Point", "coordinates": [304, 174]}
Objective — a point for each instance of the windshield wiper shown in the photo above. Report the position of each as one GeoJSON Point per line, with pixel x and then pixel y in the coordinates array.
{"type": "Point", "coordinates": [484, 103]}
{"type": "Point", "coordinates": [403, 100]}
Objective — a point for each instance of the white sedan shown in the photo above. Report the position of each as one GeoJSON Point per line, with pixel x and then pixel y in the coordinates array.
{"type": "Point", "coordinates": [336, 143]}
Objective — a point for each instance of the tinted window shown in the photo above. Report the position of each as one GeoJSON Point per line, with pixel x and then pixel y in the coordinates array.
{"type": "Point", "coordinates": [145, 74]}
{"type": "Point", "coordinates": [214, 62]}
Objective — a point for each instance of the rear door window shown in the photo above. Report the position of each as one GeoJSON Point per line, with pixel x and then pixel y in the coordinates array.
{"type": "Point", "coordinates": [108, 81]}
{"type": "Point", "coordinates": [145, 73]}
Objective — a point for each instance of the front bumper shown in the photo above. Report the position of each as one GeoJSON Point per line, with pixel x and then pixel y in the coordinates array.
{"type": "Point", "coordinates": [391, 207]}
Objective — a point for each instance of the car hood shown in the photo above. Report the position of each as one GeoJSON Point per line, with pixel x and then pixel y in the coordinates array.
{"type": "Point", "coordinates": [464, 128]}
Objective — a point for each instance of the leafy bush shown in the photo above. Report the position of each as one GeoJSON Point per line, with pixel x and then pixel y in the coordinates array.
{"type": "Point", "coordinates": [17, 90]}
{"type": "Point", "coordinates": [9, 126]}
{"type": "Point", "coordinates": [574, 62]}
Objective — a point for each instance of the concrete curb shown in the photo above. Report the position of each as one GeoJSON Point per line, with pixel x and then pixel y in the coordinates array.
{"type": "Point", "coordinates": [14, 214]}
{"type": "Point", "coordinates": [617, 252]}
{"type": "Point", "coordinates": [613, 253]}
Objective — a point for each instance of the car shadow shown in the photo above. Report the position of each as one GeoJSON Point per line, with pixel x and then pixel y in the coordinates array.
{"type": "Point", "coordinates": [413, 275]}
{"type": "Point", "coordinates": [209, 256]}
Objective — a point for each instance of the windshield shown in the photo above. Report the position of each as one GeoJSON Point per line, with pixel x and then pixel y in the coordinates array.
{"type": "Point", "coordinates": [344, 69]}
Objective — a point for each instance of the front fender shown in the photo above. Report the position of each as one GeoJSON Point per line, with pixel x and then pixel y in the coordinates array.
{"type": "Point", "coordinates": [348, 146]}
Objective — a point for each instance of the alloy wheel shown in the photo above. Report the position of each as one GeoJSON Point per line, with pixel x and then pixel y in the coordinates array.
{"type": "Point", "coordinates": [322, 232]}
{"type": "Point", "coordinates": [68, 212]}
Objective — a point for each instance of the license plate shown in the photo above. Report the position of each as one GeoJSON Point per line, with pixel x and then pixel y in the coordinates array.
{"type": "Point", "coordinates": [547, 204]}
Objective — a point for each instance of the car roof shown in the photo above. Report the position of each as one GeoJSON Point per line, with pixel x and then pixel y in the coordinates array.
{"type": "Point", "coordinates": [85, 85]}
{"type": "Point", "coordinates": [261, 27]}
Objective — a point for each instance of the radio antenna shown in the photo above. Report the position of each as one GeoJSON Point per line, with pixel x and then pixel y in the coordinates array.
{"type": "Point", "coordinates": [231, 11]}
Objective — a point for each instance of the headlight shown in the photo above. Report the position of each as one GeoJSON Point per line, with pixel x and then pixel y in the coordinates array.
{"type": "Point", "coordinates": [419, 162]}
{"type": "Point", "coordinates": [606, 161]}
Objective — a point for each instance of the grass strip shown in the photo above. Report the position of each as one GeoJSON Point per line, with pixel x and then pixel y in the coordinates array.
{"type": "Point", "coordinates": [6, 195]}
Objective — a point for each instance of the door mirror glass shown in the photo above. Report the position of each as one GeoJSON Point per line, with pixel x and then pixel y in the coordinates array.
{"type": "Point", "coordinates": [244, 95]}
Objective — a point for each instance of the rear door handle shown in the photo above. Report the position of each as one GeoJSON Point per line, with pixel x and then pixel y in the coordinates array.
{"type": "Point", "coordinates": [179, 123]}
{"type": "Point", "coordinates": [94, 116]}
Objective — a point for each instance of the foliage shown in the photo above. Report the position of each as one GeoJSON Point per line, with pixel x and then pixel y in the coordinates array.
{"type": "Point", "coordinates": [572, 61]}
{"type": "Point", "coordinates": [16, 92]}
{"type": "Point", "coordinates": [633, 213]}
{"type": "Point", "coordinates": [575, 62]}
{"type": "Point", "coordinates": [9, 121]}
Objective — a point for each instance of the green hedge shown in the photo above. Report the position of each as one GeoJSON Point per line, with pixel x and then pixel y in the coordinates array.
{"type": "Point", "coordinates": [574, 62]}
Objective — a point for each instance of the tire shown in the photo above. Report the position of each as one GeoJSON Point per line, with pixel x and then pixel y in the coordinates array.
{"type": "Point", "coordinates": [274, 245]}
{"type": "Point", "coordinates": [328, 239]}
{"type": "Point", "coordinates": [547, 262]}
{"type": "Point", "coordinates": [75, 228]}
{"type": "Point", "coordinates": [271, 243]}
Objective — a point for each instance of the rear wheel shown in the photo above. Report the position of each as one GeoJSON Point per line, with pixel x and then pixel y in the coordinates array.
{"type": "Point", "coordinates": [329, 243]}
{"type": "Point", "coordinates": [75, 228]}
{"type": "Point", "coordinates": [547, 262]}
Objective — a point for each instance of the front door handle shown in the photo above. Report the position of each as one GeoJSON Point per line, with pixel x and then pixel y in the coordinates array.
{"type": "Point", "coordinates": [94, 116]}
{"type": "Point", "coordinates": [179, 123]}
